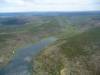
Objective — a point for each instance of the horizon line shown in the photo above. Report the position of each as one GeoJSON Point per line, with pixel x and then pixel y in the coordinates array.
{"type": "Point", "coordinates": [52, 11]}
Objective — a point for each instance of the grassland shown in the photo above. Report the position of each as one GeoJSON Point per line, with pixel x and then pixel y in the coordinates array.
{"type": "Point", "coordinates": [13, 36]}
{"type": "Point", "coordinates": [77, 55]}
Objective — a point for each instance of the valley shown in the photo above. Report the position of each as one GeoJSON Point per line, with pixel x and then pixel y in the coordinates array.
{"type": "Point", "coordinates": [50, 45]}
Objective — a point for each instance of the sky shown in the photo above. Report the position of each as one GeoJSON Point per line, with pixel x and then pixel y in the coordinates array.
{"type": "Point", "coordinates": [48, 5]}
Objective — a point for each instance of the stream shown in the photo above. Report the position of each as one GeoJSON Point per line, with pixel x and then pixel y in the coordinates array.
{"type": "Point", "coordinates": [19, 65]}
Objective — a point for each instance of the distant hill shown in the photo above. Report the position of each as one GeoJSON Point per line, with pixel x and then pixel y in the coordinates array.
{"type": "Point", "coordinates": [50, 13]}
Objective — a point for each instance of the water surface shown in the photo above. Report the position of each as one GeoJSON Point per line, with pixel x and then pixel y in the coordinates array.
{"type": "Point", "coordinates": [19, 65]}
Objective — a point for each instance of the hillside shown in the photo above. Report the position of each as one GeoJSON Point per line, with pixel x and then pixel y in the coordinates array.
{"type": "Point", "coordinates": [77, 55]}
{"type": "Point", "coordinates": [19, 31]}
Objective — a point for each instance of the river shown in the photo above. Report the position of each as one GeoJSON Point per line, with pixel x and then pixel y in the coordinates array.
{"type": "Point", "coordinates": [19, 65]}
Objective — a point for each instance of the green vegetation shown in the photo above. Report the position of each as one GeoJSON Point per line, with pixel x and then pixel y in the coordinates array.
{"type": "Point", "coordinates": [77, 55]}
{"type": "Point", "coordinates": [76, 52]}
{"type": "Point", "coordinates": [16, 34]}
{"type": "Point", "coordinates": [82, 44]}
{"type": "Point", "coordinates": [4, 38]}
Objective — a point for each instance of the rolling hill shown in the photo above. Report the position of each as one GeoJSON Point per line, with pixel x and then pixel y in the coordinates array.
{"type": "Point", "coordinates": [77, 55]}
{"type": "Point", "coordinates": [78, 42]}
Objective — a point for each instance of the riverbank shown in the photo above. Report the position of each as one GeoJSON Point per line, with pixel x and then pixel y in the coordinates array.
{"type": "Point", "coordinates": [78, 55]}
{"type": "Point", "coordinates": [23, 56]}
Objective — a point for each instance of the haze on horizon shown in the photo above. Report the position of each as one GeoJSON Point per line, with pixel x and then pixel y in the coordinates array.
{"type": "Point", "coordinates": [49, 5]}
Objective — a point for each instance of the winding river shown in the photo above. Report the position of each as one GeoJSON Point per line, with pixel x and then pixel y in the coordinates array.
{"type": "Point", "coordinates": [19, 65]}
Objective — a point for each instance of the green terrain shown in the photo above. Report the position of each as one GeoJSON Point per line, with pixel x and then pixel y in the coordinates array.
{"type": "Point", "coordinates": [76, 52]}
